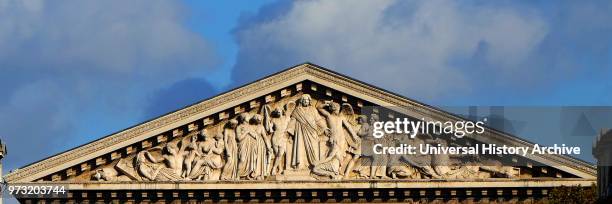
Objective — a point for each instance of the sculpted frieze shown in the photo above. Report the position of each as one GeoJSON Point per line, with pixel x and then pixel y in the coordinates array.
{"type": "Point", "coordinates": [301, 134]}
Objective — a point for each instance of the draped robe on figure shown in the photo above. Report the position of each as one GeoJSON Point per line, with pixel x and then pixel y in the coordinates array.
{"type": "Point", "coordinates": [305, 127]}
{"type": "Point", "coordinates": [230, 170]}
{"type": "Point", "coordinates": [252, 152]}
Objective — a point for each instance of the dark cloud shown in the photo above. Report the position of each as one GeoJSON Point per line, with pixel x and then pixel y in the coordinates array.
{"type": "Point", "coordinates": [31, 123]}
{"type": "Point", "coordinates": [64, 62]}
{"type": "Point", "coordinates": [441, 52]}
{"type": "Point", "coordinates": [178, 95]}
{"type": "Point", "coordinates": [448, 53]}
{"type": "Point", "coordinates": [408, 52]}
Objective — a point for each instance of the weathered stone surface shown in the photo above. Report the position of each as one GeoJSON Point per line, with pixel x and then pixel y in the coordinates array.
{"type": "Point", "coordinates": [291, 130]}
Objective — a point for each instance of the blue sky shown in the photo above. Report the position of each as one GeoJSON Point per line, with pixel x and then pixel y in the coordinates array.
{"type": "Point", "coordinates": [74, 71]}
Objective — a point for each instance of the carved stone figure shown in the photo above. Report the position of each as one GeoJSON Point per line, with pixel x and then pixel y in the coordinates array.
{"type": "Point", "coordinates": [191, 156]}
{"type": "Point", "coordinates": [378, 163]}
{"type": "Point", "coordinates": [109, 174]}
{"type": "Point", "coordinates": [496, 169]}
{"type": "Point", "coordinates": [195, 149]}
{"type": "Point", "coordinates": [261, 129]}
{"type": "Point", "coordinates": [155, 169]}
{"type": "Point", "coordinates": [230, 169]}
{"type": "Point", "coordinates": [305, 129]}
{"type": "Point", "coordinates": [276, 124]}
{"type": "Point", "coordinates": [293, 140]}
{"type": "Point", "coordinates": [336, 124]}
{"type": "Point", "coordinates": [211, 150]}
{"type": "Point", "coordinates": [404, 169]}
{"type": "Point", "coordinates": [105, 174]}
{"type": "Point", "coordinates": [264, 152]}
{"type": "Point", "coordinates": [355, 144]}
{"type": "Point", "coordinates": [365, 133]}
{"type": "Point", "coordinates": [99, 175]}
{"type": "Point", "coordinates": [247, 150]}
{"type": "Point", "coordinates": [410, 166]}
{"type": "Point", "coordinates": [252, 147]}
{"type": "Point", "coordinates": [330, 165]}
{"type": "Point", "coordinates": [442, 166]}
{"type": "Point", "coordinates": [175, 157]}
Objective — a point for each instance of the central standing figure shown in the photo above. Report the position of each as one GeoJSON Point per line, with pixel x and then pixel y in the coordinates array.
{"type": "Point", "coordinates": [305, 127]}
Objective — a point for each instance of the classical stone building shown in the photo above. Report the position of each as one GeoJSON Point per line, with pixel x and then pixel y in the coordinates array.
{"type": "Point", "coordinates": [294, 136]}
{"type": "Point", "coordinates": [602, 150]}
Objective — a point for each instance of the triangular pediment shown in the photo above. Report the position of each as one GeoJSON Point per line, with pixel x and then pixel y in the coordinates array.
{"type": "Point", "coordinates": [121, 155]}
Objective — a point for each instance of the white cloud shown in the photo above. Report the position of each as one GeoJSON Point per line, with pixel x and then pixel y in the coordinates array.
{"type": "Point", "coordinates": [406, 46]}
{"type": "Point", "coordinates": [63, 59]}
{"type": "Point", "coordinates": [123, 37]}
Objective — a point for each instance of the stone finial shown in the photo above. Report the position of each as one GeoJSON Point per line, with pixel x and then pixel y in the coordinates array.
{"type": "Point", "coordinates": [3, 151]}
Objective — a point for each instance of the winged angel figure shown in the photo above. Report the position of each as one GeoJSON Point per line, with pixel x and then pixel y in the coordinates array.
{"type": "Point", "coordinates": [338, 120]}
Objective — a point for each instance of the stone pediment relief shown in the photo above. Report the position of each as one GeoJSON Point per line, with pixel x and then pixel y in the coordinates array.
{"type": "Point", "coordinates": [300, 136]}
{"type": "Point", "coordinates": [305, 123]}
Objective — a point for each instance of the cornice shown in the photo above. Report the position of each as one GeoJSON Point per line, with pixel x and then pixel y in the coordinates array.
{"type": "Point", "coordinates": [308, 71]}
{"type": "Point", "coordinates": [439, 115]}
{"type": "Point", "coordinates": [113, 139]}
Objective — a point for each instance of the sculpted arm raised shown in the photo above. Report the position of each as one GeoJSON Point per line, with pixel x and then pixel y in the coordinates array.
{"type": "Point", "coordinates": [181, 150]}
{"type": "Point", "coordinates": [349, 127]}
{"type": "Point", "coordinates": [321, 109]}
{"type": "Point", "coordinates": [267, 123]}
